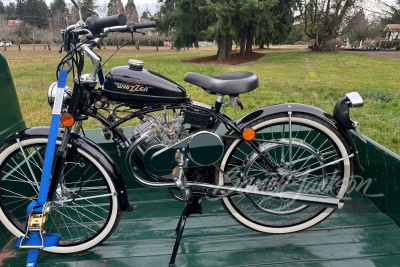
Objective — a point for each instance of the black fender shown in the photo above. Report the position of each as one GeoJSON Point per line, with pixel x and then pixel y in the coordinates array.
{"type": "Point", "coordinates": [301, 108]}
{"type": "Point", "coordinates": [88, 145]}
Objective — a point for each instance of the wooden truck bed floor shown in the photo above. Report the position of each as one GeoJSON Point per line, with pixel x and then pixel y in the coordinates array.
{"type": "Point", "coordinates": [358, 235]}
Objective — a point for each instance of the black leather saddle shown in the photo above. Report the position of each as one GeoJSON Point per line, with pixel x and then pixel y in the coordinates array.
{"type": "Point", "coordinates": [228, 83]}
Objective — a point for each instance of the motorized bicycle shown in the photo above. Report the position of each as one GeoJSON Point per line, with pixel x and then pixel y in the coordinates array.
{"type": "Point", "coordinates": [279, 169]}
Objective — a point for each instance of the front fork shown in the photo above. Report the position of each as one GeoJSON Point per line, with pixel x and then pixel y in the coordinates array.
{"type": "Point", "coordinates": [59, 164]}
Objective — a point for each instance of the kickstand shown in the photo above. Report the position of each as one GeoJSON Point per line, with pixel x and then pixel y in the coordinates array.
{"type": "Point", "coordinates": [192, 206]}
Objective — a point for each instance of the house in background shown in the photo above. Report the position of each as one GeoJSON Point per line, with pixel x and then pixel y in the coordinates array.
{"type": "Point", "coordinates": [393, 31]}
{"type": "Point", "coordinates": [14, 24]}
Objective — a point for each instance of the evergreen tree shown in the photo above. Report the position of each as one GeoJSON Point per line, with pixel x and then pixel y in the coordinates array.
{"type": "Point", "coordinates": [115, 7]}
{"type": "Point", "coordinates": [225, 22]}
{"type": "Point", "coordinates": [10, 11]}
{"type": "Point", "coordinates": [19, 9]}
{"type": "Point", "coordinates": [146, 15]}
{"type": "Point", "coordinates": [88, 8]}
{"type": "Point", "coordinates": [130, 11]}
{"type": "Point", "coordinates": [130, 5]}
{"type": "Point", "coordinates": [2, 8]}
{"type": "Point", "coordinates": [276, 30]}
{"type": "Point", "coordinates": [36, 13]}
{"type": "Point", "coordinates": [58, 6]}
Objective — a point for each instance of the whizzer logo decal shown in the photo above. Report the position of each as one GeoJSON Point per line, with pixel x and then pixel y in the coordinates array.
{"type": "Point", "coordinates": [133, 87]}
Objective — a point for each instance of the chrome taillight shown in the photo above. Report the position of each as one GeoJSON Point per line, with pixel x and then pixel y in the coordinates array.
{"type": "Point", "coordinates": [354, 100]}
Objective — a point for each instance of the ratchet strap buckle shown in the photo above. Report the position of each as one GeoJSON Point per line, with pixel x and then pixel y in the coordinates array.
{"type": "Point", "coordinates": [35, 224]}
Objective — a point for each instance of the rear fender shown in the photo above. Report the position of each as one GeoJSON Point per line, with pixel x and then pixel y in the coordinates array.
{"type": "Point", "coordinates": [88, 145]}
{"type": "Point", "coordinates": [306, 109]}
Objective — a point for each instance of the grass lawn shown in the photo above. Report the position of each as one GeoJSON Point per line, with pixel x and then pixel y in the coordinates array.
{"type": "Point", "coordinates": [316, 79]}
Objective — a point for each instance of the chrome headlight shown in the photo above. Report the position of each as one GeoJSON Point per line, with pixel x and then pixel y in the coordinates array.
{"type": "Point", "coordinates": [51, 94]}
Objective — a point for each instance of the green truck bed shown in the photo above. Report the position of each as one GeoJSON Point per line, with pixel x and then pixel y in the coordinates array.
{"type": "Point", "coordinates": [358, 235]}
{"type": "Point", "coordinates": [364, 233]}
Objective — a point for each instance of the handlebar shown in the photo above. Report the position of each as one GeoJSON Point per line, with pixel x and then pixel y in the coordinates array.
{"type": "Point", "coordinates": [96, 24]}
{"type": "Point", "coordinates": [141, 25]}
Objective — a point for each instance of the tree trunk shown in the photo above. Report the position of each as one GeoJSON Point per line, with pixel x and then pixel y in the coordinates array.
{"type": "Point", "coordinates": [228, 50]}
{"type": "Point", "coordinates": [318, 42]}
{"type": "Point", "coordinates": [19, 46]}
{"type": "Point", "coordinates": [222, 48]}
{"type": "Point", "coordinates": [262, 46]}
{"type": "Point", "coordinates": [5, 48]}
{"type": "Point", "coordinates": [243, 41]}
{"type": "Point", "coordinates": [33, 46]}
{"type": "Point", "coordinates": [249, 43]}
{"type": "Point", "coordinates": [48, 45]}
{"type": "Point", "coordinates": [157, 47]}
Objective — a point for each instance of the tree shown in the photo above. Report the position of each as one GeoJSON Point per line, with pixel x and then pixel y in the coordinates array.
{"type": "Point", "coordinates": [47, 37]}
{"type": "Point", "coordinates": [196, 20]}
{"type": "Point", "coordinates": [323, 18]}
{"type": "Point", "coordinates": [276, 28]}
{"type": "Point", "coordinates": [88, 8]}
{"type": "Point", "coordinates": [36, 13]}
{"type": "Point", "coordinates": [146, 15]}
{"type": "Point", "coordinates": [5, 33]}
{"type": "Point", "coordinates": [157, 37]}
{"type": "Point", "coordinates": [131, 12]}
{"type": "Point", "coordinates": [130, 5]}
{"type": "Point", "coordinates": [115, 7]}
{"type": "Point", "coordinates": [17, 39]}
{"type": "Point", "coordinates": [58, 6]}
{"type": "Point", "coordinates": [58, 13]}
{"type": "Point", "coordinates": [357, 25]}
{"type": "Point", "coordinates": [33, 34]}
{"type": "Point", "coordinates": [19, 9]}
{"type": "Point", "coordinates": [10, 11]}
{"type": "Point", "coordinates": [2, 9]}
{"type": "Point", "coordinates": [225, 22]}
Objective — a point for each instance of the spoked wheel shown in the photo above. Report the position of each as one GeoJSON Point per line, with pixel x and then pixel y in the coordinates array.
{"type": "Point", "coordinates": [85, 211]}
{"type": "Point", "coordinates": [310, 161]}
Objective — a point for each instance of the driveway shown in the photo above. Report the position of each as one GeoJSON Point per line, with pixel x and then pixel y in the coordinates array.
{"type": "Point", "coordinates": [388, 54]}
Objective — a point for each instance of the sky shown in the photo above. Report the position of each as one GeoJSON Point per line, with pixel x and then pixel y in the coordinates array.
{"type": "Point", "coordinates": [371, 5]}
{"type": "Point", "coordinates": [140, 4]}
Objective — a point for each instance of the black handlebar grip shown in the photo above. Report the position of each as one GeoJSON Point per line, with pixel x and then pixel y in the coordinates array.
{"type": "Point", "coordinates": [142, 25]}
{"type": "Point", "coordinates": [96, 24]}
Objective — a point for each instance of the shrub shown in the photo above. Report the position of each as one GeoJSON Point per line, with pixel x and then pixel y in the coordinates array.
{"type": "Point", "coordinates": [333, 46]}
{"type": "Point", "coordinates": [377, 95]}
{"type": "Point", "coordinates": [398, 47]}
{"type": "Point", "coordinates": [109, 42]}
{"type": "Point", "coordinates": [388, 44]}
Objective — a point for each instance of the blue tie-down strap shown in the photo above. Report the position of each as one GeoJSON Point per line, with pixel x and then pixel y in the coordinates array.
{"type": "Point", "coordinates": [34, 239]}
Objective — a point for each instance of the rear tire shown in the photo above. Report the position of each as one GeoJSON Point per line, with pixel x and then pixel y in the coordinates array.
{"type": "Point", "coordinates": [295, 218]}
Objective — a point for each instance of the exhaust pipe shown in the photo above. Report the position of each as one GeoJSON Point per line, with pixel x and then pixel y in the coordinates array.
{"type": "Point", "coordinates": [307, 199]}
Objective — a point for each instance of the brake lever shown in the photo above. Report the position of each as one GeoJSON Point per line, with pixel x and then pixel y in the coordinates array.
{"type": "Point", "coordinates": [60, 48]}
{"type": "Point", "coordinates": [142, 32]}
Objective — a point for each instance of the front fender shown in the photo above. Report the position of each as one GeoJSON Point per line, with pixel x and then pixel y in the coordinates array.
{"type": "Point", "coordinates": [301, 108]}
{"type": "Point", "coordinates": [88, 145]}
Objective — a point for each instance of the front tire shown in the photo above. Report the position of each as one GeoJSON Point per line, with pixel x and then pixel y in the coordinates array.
{"type": "Point", "coordinates": [313, 136]}
{"type": "Point", "coordinates": [83, 224]}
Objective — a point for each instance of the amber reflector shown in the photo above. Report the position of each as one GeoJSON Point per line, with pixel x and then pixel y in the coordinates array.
{"type": "Point", "coordinates": [67, 120]}
{"type": "Point", "coordinates": [249, 134]}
